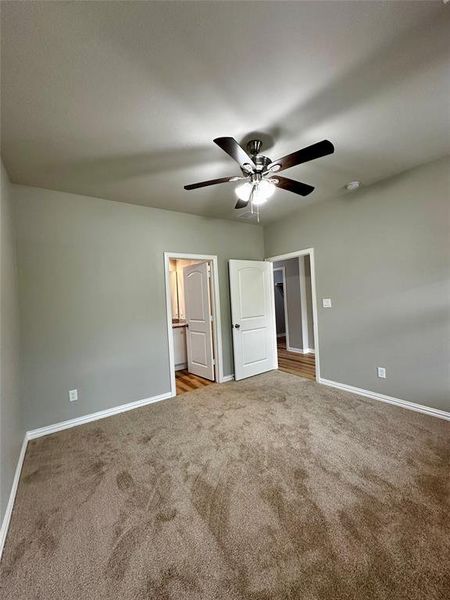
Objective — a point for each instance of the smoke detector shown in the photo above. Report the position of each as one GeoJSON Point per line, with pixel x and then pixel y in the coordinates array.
{"type": "Point", "coordinates": [353, 185]}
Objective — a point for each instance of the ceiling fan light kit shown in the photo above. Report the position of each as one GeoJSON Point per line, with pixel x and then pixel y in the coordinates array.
{"type": "Point", "coordinates": [262, 190]}
{"type": "Point", "coordinates": [258, 171]}
{"type": "Point", "coordinates": [243, 191]}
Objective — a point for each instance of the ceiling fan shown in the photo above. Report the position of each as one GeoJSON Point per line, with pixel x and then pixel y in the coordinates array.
{"type": "Point", "coordinates": [260, 173]}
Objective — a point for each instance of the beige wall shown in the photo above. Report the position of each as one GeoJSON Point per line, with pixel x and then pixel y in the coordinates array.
{"type": "Point", "coordinates": [11, 429]}
{"type": "Point", "coordinates": [293, 305]}
{"type": "Point", "coordinates": [383, 257]}
{"type": "Point", "coordinates": [91, 283]}
{"type": "Point", "coordinates": [91, 280]}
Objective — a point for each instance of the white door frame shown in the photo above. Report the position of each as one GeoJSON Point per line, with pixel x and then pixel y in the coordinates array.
{"type": "Point", "coordinates": [286, 322]}
{"type": "Point", "coordinates": [303, 308]}
{"type": "Point", "coordinates": [307, 252]}
{"type": "Point", "coordinates": [215, 307]}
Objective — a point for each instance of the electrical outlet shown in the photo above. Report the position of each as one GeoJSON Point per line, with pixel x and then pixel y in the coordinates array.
{"type": "Point", "coordinates": [326, 302]}
{"type": "Point", "coordinates": [73, 395]}
{"type": "Point", "coordinates": [381, 371]}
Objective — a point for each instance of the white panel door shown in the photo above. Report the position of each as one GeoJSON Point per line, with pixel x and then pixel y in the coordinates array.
{"type": "Point", "coordinates": [197, 301]}
{"type": "Point", "coordinates": [253, 317]}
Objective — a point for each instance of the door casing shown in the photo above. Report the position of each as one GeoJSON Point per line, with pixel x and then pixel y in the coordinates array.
{"type": "Point", "coordinates": [307, 252]}
{"type": "Point", "coordinates": [286, 320]}
{"type": "Point", "coordinates": [215, 305]}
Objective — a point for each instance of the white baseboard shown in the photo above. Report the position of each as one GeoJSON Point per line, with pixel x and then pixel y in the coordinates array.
{"type": "Point", "coordinates": [292, 349]}
{"type": "Point", "coordinates": [427, 410]}
{"type": "Point", "coordinates": [12, 496]}
{"type": "Point", "coordinates": [35, 433]}
{"type": "Point", "coordinates": [300, 350]}
{"type": "Point", "coordinates": [181, 366]}
{"type": "Point", "coordinates": [281, 335]}
{"type": "Point", "coordinates": [102, 414]}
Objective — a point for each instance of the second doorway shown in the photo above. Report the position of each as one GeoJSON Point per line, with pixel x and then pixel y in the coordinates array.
{"type": "Point", "coordinates": [294, 316]}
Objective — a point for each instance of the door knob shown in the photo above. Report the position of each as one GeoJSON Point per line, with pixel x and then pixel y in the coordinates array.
{"type": "Point", "coordinates": [237, 325]}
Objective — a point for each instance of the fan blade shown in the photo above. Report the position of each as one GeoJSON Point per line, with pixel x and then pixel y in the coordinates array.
{"type": "Point", "coordinates": [232, 148]}
{"type": "Point", "coordinates": [194, 186]}
{"type": "Point", "coordinates": [297, 187]}
{"type": "Point", "coordinates": [318, 150]}
{"type": "Point", "coordinates": [241, 204]}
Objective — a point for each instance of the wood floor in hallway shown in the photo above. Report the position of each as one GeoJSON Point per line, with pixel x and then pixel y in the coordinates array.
{"type": "Point", "coordinates": [187, 382]}
{"type": "Point", "coordinates": [295, 363]}
{"type": "Point", "coordinates": [302, 365]}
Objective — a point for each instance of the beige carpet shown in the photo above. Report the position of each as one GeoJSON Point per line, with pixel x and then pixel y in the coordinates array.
{"type": "Point", "coordinates": [274, 488]}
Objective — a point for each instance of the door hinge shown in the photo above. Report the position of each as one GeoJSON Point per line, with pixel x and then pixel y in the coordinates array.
{"type": "Point", "coordinates": [214, 362]}
{"type": "Point", "coordinates": [211, 318]}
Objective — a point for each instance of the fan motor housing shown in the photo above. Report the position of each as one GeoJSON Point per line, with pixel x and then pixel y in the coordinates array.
{"type": "Point", "coordinates": [261, 162]}
{"type": "Point", "coordinates": [253, 148]}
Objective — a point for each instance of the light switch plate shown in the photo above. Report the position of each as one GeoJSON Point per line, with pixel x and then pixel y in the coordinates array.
{"type": "Point", "coordinates": [73, 395]}
{"type": "Point", "coordinates": [381, 371]}
{"type": "Point", "coordinates": [326, 302]}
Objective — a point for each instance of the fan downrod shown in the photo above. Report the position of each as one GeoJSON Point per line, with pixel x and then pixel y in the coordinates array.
{"type": "Point", "coordinates": [254, 147]}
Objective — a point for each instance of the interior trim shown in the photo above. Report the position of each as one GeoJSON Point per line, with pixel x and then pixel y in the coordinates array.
{"type": "Point", "coordinates": [427, 410]}
{"type": "Point", "coordinates": [303, 301]}
{"type": "Point", "coordinates": [12, 496]}
{"type": "Point", "coordinates": [215, 305]}
{"type": "Point", "coordinates": [286, 315]}
{"type": "Point", "coordinates": [101, 414]}
{"type": "Point", "coordinates": [300, 350]}
{"type": "Point", "coordinates": [41, 431]}
{"type": "Point", "coordinates": [297, 254]}
{"type": "Point", "coordinates": [227, 378]}
{"type": "Point", "coordinates": [36, 433]}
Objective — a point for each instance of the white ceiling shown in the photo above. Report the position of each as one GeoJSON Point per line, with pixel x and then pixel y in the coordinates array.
{"type": "Point", "coordinates": [122, 100]}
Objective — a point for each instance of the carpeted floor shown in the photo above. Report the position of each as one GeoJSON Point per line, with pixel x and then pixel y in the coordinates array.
{"type": "Point", "coordinates": [273, 488]}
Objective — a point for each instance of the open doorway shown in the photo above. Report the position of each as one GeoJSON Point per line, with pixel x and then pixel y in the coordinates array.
{"type": "Point", "coordinates": [295, 313]}
{"type": "Point", "coordinates": [193, 321]}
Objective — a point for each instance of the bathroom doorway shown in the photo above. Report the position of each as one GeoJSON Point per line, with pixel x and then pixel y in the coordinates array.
{"type": "Point", "coordinates": [192, 295]}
